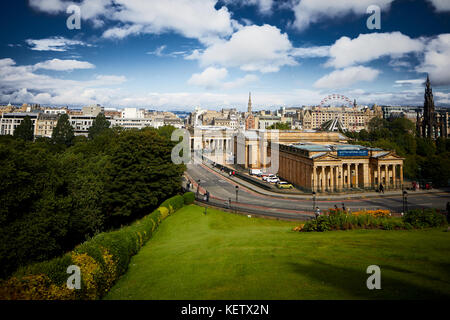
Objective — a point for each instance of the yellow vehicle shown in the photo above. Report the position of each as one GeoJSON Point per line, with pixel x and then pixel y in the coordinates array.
{"type": "Point", "coordinates": [284, 185]}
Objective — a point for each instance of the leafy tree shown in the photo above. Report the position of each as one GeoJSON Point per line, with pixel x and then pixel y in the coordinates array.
{"type": "Point", "coordinates": [279, 126]}
{"type": "Point", "coordinates": [166, 131]}
{"type": "Point", "coordinates": [98, 126]}
{"type": "Point", "coordinates": [63, 133]}
{"type": "Point", "coordinates": [139, 174]}
{"type": "Point", "coordinates": [25, 130]}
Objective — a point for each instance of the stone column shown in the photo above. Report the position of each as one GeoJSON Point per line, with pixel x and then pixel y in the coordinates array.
{"type": "Point", "coordinates": [378, 176]}
{"type": "Point", "coordinates": [386, 175]}
{"type": "Point", "coordinates": [322, 183]}
{"type": "Point", "coordinates": [332, 178]}
{"type": "Point", "coordinates": [341, 174]}
{"type": "Point", "coordinates": [356, 175]}
{"type": "Point", "coordinates": [401, 175]}
{"type": "Point", "coordinates": [394, 167]}
{"type": "Point", "coordinates": [365, 175]}
{"type": "Point", "coordinates": [313, 179]}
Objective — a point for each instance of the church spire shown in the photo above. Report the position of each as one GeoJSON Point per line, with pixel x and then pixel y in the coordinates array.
{"type": "Point", "coordinates": [249, 110]}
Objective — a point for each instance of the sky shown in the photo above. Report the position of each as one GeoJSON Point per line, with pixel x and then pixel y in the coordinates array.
{"type": "Point", "coordinates": [180, 54]}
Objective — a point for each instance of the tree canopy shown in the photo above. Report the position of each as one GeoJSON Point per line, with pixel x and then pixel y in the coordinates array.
{"type": "Point", "coordinates": [63, 133]}
{"type": "Point", "coordinates": [25, 130]}
{"type": "Point", "coordinates": [98, 125]}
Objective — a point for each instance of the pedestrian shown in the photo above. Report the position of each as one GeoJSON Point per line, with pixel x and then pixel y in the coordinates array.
{"type": "Point", "coordinates": [343, 207]}
{"type": "Point", "coordinates": [381, 188]}
{"type": "Point", "coordinates": [207, 196]}
{"type": "Point", "coordinates": [317, 212]}
{"type": "Point", "coordinates": [335, 206]}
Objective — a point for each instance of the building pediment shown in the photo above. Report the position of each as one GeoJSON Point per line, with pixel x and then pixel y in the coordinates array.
{"type": "Point", "coordinates": [324, 156]}
{"type": "Point", "coordinates": [388, 155]}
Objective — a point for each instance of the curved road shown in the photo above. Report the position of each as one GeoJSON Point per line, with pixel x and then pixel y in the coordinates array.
{"type": "Point", "coordinates": [221, 189]}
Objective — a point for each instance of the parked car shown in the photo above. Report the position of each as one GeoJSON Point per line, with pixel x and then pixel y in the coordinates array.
{"type": "Point", "coordinates": [273, 180]}
{"type": "Point", "coordinates": [284, 185]}
{"type": "Point", "coordinates": [255, 172]}
{"type": "Point", "coordinates": [269, 176]}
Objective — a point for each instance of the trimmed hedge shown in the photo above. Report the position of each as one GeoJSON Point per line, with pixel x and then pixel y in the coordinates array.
{"type": "Point", "coordinates": [189, 198]}
{"type": "Point", "coordinates": [102, 260]}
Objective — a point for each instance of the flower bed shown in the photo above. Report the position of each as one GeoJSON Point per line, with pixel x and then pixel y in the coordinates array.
{"type": "Point", "coordinates": [336, 219]}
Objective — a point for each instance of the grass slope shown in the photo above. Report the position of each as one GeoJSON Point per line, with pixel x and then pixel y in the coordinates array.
{"type": "Point", "coordinates": [227, 256]}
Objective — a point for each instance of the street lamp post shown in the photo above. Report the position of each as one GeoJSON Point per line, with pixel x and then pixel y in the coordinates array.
{"type": "Point", "coordinates": [405, 201]}
{"type": "Point", "coordinates": [198, 188]}
{"type": "Point", "coordinates": [314, 200]}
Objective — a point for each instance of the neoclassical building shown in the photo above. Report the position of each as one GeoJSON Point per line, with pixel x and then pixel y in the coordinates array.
{"type": "Point", "coordinates": [339, 167]}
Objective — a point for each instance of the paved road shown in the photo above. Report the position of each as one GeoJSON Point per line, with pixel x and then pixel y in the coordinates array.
{"type": "Point", "coordinates": [222, 188]}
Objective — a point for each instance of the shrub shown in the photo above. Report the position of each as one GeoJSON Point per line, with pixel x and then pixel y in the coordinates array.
{"type": "Point", "coordinates": [189, 198]}
{"type": "Point", "coordinates": [425, 218]}
{"type": "Point", "coordinates": [173, 203]}
{"type": "Point", "coordinates": [102, 260]}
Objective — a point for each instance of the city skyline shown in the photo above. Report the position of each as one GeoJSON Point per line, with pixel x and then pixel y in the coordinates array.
{"type": "Point", "coordinates": [180, 54]}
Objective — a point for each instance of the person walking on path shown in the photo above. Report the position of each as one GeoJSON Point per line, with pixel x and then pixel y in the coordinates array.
{"type": "Point", "coordinates": [381, 188]}
{"type": "Point", "coordinates": [317, 212]}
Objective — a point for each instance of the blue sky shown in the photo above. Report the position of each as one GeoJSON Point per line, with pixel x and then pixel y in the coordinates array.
{"type": "Point", "coordinates": [178, 54]}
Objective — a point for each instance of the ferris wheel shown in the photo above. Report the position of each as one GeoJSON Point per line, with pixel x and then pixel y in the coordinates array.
{"type": "Point", "coordinates": [336, 100]}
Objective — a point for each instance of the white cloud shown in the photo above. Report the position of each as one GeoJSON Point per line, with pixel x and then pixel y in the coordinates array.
{"type": "Point", "coordinates": [53, 44]}
{"type": "Point", "coordinates": [213, 78]}
{"type": "Point", "coordinates": [63, 65]}
{"type": "Point", "coordinates": [21, 84]}
{"type": "Point", "coordinates": [367, 47]}
{"type": "Point", "coordinates": [346, 77]}
{"type": "Point", "coordinates": [252, 48]}
{"type": "Point", "coordinates": [197, 19]}
{"type": "Point", "coordinates": [312, 52]}
{"type": "Point", "coordinates": [209, 78]}
{"type": "Point", "coordinates": [264, 6]}
{"type": "Point", "coordinates": [437, 60]}
{"type": "Point", "coordinates": [414, 82]}
{"type": "Point", "coordinates": [442, 97]}
{"type": "Point", "coordinates": [122, 32]}
{"type": "Point", "coordinates": [313, 11]}
{"type": "Point", "coordinates": [441, 5]}
{"type": "Point", "coordinates": [49, 6]}
{"type": "Point", "coordinates": [158, 51]}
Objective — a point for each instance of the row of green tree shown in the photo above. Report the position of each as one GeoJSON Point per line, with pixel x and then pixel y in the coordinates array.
{"type": "Point", "coordinates": [425, 159]}
{"type": "Point", "coordinates": [55, 193]}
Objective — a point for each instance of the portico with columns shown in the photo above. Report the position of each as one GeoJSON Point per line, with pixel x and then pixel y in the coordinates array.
{"type": "Point", "coordinates": [313, 168]}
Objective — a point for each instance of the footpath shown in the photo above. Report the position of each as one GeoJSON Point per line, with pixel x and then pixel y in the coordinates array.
{"type": "Point", "coordinates": [389, 193]}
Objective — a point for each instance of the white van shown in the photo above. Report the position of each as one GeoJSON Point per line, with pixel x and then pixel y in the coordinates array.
{"type": "Point", "coordinates": [255, 172]}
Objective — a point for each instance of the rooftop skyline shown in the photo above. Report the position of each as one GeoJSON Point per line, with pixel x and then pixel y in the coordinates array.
{"type": "Point", "coordinates": [178, 54]}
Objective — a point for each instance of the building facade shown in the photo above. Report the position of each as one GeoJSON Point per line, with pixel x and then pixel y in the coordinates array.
{"type": "Point", "coordinates": [10, 121]}
{"type": "Point", "coordinates": [353, 118]}
{"type": "Point", "coordinates": [339, 167]}
{"type": "Point", "coordinates": [45, 124]}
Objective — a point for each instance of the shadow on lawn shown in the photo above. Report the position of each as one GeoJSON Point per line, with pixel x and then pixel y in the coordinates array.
{"type": "Point", "coordinates": [353, 282]}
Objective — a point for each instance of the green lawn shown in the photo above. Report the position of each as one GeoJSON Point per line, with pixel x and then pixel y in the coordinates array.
{"type": "Point", "coordinates": [228, 256]}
